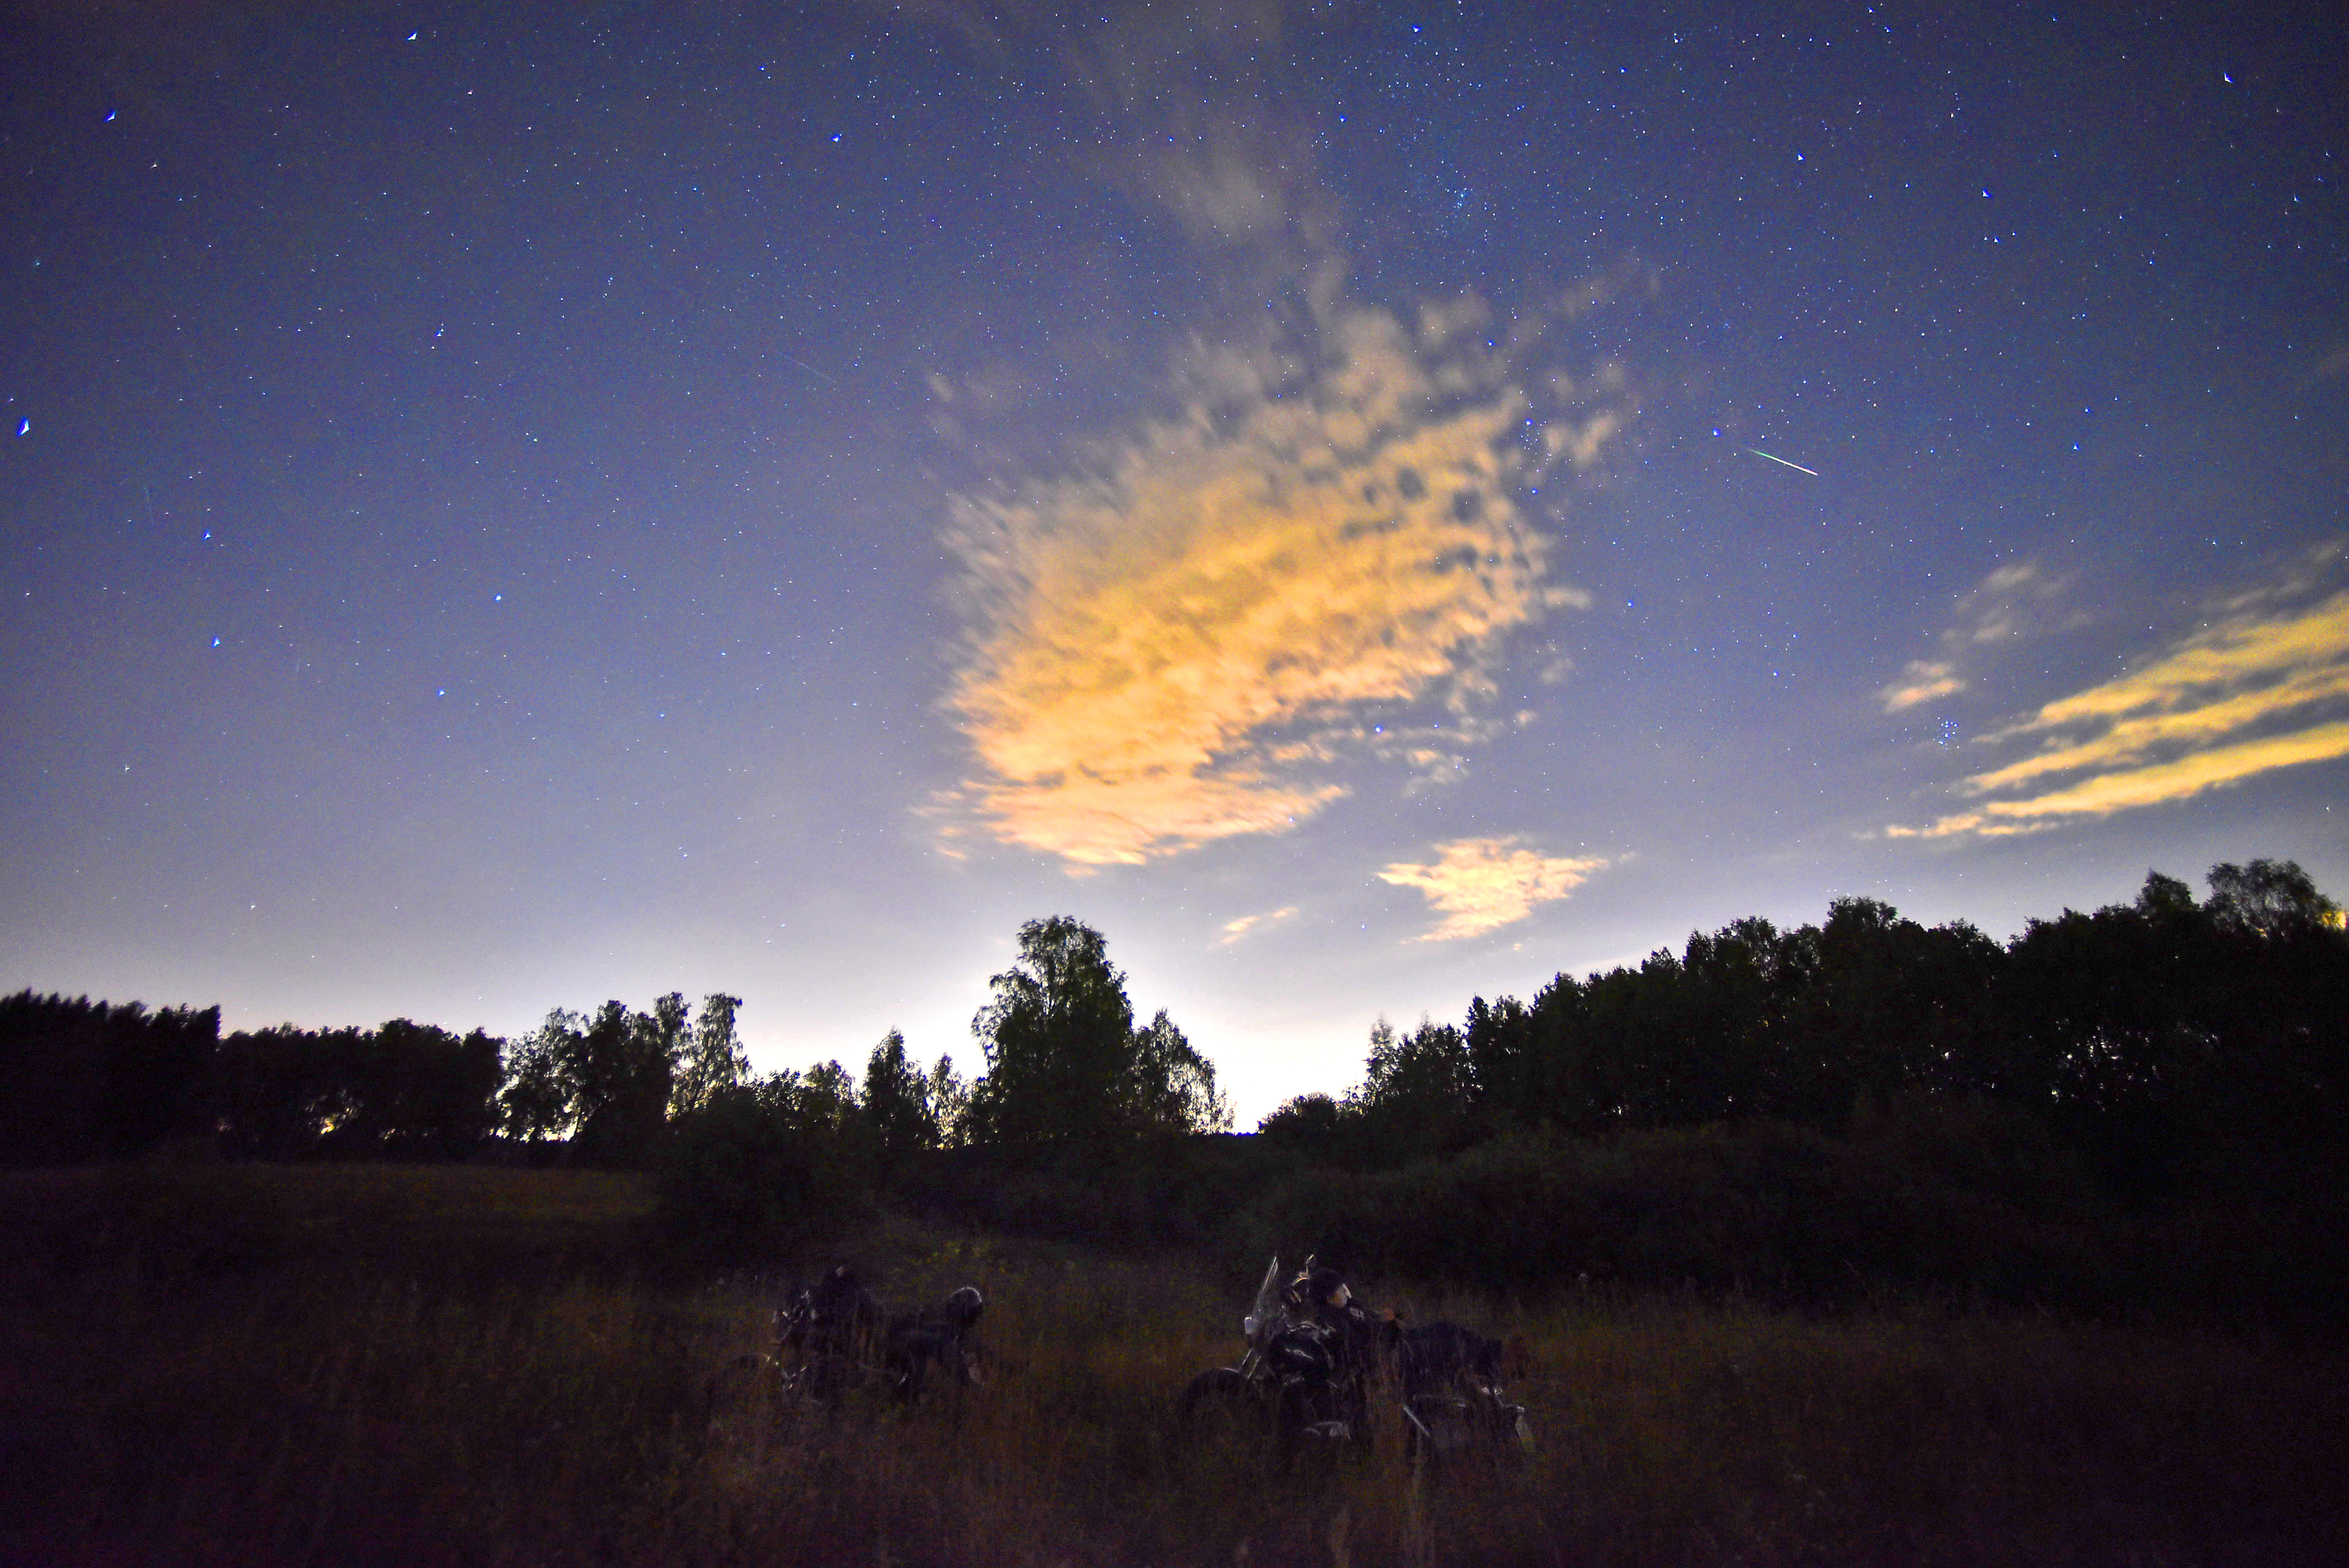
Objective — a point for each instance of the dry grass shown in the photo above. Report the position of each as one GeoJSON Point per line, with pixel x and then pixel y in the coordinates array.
{"type": "Point", "coordinates": [329, 1410]}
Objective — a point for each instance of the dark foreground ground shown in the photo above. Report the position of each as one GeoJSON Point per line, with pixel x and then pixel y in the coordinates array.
{"type": "Point", "coordinates": [366, 1365]}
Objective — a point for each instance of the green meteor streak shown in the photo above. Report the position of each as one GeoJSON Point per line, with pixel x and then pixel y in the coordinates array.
{"type": "Point", "coordinates": [1798, 467]}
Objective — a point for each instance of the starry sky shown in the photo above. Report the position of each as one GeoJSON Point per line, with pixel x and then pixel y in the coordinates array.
{"type": "Point", "coordinates": [1367, 505]}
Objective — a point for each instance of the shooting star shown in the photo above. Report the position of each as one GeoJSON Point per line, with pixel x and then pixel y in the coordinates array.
{"type": "Point", "coordinates": [1782, 463]}
{"type": "Point", "coordinates": [811, 369]}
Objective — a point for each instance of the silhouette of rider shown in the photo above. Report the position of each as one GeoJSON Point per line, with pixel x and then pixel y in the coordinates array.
{"type": "Point", "coordinates": [1347, 1327]}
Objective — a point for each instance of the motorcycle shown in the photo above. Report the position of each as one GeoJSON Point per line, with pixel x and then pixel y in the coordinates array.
{"type": "Point", "coordinates": [1288, 1380]}
{"type": "Point", "coordinates": [834, 1337]}
{"type": "Point", "coordinates": [1308, 1380]}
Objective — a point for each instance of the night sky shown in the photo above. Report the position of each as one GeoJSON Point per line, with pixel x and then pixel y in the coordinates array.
{"type": "Point", "coordinates": [508, 507]}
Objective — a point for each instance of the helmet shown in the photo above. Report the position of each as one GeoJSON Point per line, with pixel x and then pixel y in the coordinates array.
{"type": "Point", "coordinates": [1326, 1287]}
{"type": "Point", "coordinates": [964, 1306]}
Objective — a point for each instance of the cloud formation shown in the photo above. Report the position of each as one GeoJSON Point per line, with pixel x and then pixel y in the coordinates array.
{"type": "Point", "coordinates": [1480, 885]}
{"type": "Point", "coordinates": [2007, 604]}
{"type": "Point", "coordinates": [1234, 930]}
{"type": "Point", "coordinates": [1921, 682]}
{"type": "Point", "coordinates": [2264, 685]}
{"type": "Point", "coordinates": [1172, 643]}
{"type": "Point", "coordinates": [1315, 553]}
{"type": "Point", "coordinates": [1192, 113]}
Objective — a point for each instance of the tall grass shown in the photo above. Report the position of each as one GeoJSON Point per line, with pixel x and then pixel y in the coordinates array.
{"type": "Point", "coordinates": [332, 1409]}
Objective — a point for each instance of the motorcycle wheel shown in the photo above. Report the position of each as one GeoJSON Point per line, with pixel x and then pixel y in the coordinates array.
{"type": "Point", "coordinates": [1219, 1406]}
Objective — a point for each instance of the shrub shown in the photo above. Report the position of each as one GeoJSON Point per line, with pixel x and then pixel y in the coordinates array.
{"type": "Point", "coordinates": [740, 1182]}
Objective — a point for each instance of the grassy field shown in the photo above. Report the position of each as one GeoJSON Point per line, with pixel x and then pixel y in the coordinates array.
{"type": "Point", "coordinates": [352, 1365]}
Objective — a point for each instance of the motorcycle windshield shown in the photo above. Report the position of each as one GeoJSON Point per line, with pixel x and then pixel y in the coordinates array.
{"type": "Point", "coordinates": [1264, 1317]}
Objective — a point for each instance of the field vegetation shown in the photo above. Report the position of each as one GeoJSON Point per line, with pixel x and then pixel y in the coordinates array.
{"type": "Point", "coordinates": [1858, 1243]}
{"type": "Point", "coordinates": [410, 1365]}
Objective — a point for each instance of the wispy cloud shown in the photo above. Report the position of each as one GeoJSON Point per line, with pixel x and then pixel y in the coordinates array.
{"type": "Point", "coordinates": [1234, 930]}
{"type": "Point", "coordinates": [1921, 682]}
{"type": "Point", "coordinates": [2009, 603]}
{"type": "Point", "coordinates": [1192, 112]}
{"type": "Point", "coordinates": [1480, 885]}
{"type": "Point", "coordinates": [1174, 641]}
{"type": "Point", "coordinates": [1317, 551]}
{"type": "Point", "coordinates": [2262, 686]}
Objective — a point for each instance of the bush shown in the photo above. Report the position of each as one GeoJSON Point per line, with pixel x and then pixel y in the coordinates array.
{"type": "Point", "coordinates": [1768, 1207]}
{"type": "Point", "coordinates": [741, 1181]}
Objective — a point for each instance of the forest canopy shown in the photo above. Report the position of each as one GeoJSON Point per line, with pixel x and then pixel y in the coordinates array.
{"type": "Point", "coordinates": [1808, 1109]}
{"type": "Point", "coordinates": [1066, 1064]}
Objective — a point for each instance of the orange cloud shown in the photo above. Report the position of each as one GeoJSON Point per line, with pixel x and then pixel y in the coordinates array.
{"type": "Point", "coordinates": [1234, 930]}
{"type": "Point", "coordinates": [2261, 688]}
{"type": "Point", "coordinates": [1168, 642]}
{"type": "Point", "coordinates": [1483, 884]}
{"type": "Point", "coordinates": [1921, 682]}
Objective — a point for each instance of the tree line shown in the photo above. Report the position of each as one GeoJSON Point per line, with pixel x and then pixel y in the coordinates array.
{"type": "Point", "coordinates": [2136, 1110]}
{"type": "Point", "coordinates": [2168, 1042]}
{"type": "Point", "coordinates": [1066, 1066]}
{"type": "Point", "coordinates": [2138, 1106]}
{"type": "Point", "coordinates": [2171, 1043]}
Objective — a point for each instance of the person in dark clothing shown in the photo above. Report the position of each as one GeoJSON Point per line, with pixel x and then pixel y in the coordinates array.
{"type": "Point", "coordinates": [828, 1330]}
{"type": "Point", "coordinates": [1331, 1347]}
{"type": "Point", "coordinates": [1351, 1327]}
{"type": "Point", "coordinates": [940, 1339]}
{"type": "Point", "coordinates": [836, 1315]}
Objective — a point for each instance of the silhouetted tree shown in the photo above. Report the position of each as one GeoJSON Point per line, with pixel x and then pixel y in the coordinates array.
{"type": "Point", "coordinates": [416, 1089]}
{"type": "Point", "coordinates": [1056, 1037]}
{"type": "Point", "coordinates": [158, 1068]}
{"type": "Point", "coordinates": [538, 1102]}
{"type": "Point", "coordinates": [713, 1058]}
{"type": "Point", "coordinates": [1169, 1087]}
{"type": "Point", "coordinates": [398, 1090]}
{"type": "Point", "coordinates": [604, 1082]}
{"type": "Point", "coordinates": [1416, 1095]}
{"type": "Point", "coordinates": [279, 1090]}
{"type": "Point", "coordinates": [2177, 1046]}
{"type": "Point", "coordinates": [1064, 1061]}
{"type": "Point", "coordinates": [1305, 1119]}
{"type": "Point", "coordinates": [950, 1102]}
{"type": "Point", "coordinates": [2167, 1042]}
{"type": "Point", "coordinates": [86, 1081]}
{"type": "Point", "coordinates": [2269, 898]}
{"type": "Point", "coordinates": [1885, 1006]}
{"type": "Point", "coordinates": [1313, 1125]}
{"type": "Point", "coordinates": [403, 1090]}
{"type": "Point", "coordinates": [898, 1109]}
{"type": "Point", "coordinates": [829, 1104]}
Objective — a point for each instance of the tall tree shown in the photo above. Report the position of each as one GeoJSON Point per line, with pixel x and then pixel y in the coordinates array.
{"type": "Point", "coordinates": [2269, 898]}
{"type": "Point", "coordinates": [420, 1088]}
{"type": "Point", "coordinates": [1056, 1035]}
{"type": "Point", "coordinates": [628, 1065]}
{"type": "Point", "coordinates": [1414, 1097]}
{"type": "Point", "coordinates": [539, 1102]}
{"type": "Point", "coordinates": [950, 1102]}
{"type": "Point", "coordinates": [82, 1080]}
{"type": "Point", "coordinates": [1064, 1061]}
{"type": "Point", "coordinates": [713, 1059]}
{"type": "Point", "coordinates": [898, 1110]}
{"type": "Point", "coordinates": [405, 1089]}
{"type": "Point", "coordinates": [828, 1101]}
{"type": "Point", "coordinates": [1170, 1088]}
{"type": "Point", "coordinates": [604, 1082]}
